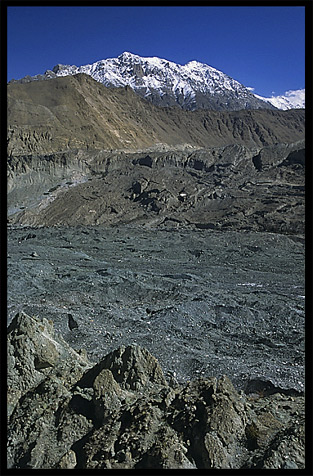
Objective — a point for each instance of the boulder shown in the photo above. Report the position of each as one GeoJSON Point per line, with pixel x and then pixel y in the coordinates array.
{"type": "Point", "coordinates": [67, 413]}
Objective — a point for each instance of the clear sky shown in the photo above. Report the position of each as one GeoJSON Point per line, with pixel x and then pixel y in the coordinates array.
{"type": "Point", "coordinates": [260, 46]}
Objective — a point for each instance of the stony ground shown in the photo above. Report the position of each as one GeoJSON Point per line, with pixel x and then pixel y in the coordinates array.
{"type": "Point", "coordinates": [204, 303]}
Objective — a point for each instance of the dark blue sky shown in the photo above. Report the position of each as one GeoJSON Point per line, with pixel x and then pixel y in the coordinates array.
{"type": "Point", "coordinates": [261, 47]}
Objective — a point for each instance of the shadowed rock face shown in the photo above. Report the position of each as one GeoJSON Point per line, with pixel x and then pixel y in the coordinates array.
{"type": "Point", "coordinates": [121, 413]}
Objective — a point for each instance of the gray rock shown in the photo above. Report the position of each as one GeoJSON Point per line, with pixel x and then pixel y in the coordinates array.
{"type": "Point", "coordinates": [207, 315]}
{"type": "Point", "coordinates": [68, 461]}
{"type": "Point", "coordinates": [122, 414]}
{"type": "Point", "coordinates": [42, 368]}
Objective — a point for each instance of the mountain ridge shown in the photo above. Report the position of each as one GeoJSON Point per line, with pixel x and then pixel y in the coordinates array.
{"type": "Point", "coordinates": [192, 86]}
{"type": "Point", "coordinates": [71, 146]}
{"type": "Point", "coordinates": [78, 112]}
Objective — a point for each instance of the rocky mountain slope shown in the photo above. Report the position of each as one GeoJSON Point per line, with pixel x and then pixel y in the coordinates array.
{"type": "Point", "coordinates": [78, 112]}
{"type": "Point", "coordinates": [181, 231]}
{"type": "Point", "coordinates": [121, 413]}
{"type": "Point", "coordinates": [191, 86]}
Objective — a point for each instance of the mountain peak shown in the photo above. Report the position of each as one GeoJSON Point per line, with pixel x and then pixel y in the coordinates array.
{"type": "Point", "coordinates": [192, 86]}
{"type": "Point", "coordinates": [62, 67]}
{"type": "Point", "coordinates": [126, 55]}
{"type": "Point", "coordinates": [196, 64]}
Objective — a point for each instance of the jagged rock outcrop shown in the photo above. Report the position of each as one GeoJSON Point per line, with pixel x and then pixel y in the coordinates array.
{"type": "Point", "coordinates": [34, 352]}
{"type": "Point", "coordinates": [121, 413]}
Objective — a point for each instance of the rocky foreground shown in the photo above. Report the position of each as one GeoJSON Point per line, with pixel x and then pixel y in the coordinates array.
{"type": "Point", "coordinates": [121, 413]}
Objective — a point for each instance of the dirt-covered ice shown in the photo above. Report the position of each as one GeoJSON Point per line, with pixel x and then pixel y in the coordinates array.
{"type": "Point", "coordinates": [204, 303]}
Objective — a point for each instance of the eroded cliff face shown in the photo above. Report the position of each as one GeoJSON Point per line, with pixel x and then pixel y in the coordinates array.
{"type": "Point", "coordinates": [121, 413]}
{"type": "Point", "coordinates": [231, 187]}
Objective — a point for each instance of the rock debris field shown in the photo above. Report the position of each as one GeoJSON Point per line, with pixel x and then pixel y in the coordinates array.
{"type": "Point", "coordinates": [204, 303]}
{"type": "Point", "coordinates": [132, 347]}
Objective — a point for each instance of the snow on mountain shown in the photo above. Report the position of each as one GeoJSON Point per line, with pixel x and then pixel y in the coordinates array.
{"type": "Point", "coordinates": [191, 86]}
{"type": "Point", "coordinates": [290, 100]}
{"type": "Point", "coordinates": [137, 72]}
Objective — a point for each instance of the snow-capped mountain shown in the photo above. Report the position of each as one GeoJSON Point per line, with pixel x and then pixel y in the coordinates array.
{"type": "Point", "coordinates": [191, 86]}
{"type": "Point", "coordinates": [290, 100]}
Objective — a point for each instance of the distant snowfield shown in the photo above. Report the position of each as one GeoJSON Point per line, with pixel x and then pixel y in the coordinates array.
{"type": "Point", "coordinates": [289, 100]}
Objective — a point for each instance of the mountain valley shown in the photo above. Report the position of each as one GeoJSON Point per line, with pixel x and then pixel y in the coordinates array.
{"type": "Point", "coordinates": [137, 229]}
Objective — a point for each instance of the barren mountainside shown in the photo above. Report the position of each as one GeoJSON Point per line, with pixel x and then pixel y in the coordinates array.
{"type": "Point", "coordinates": [76, 112]}
{"type": "Point", "coordinates": [83, 153]}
